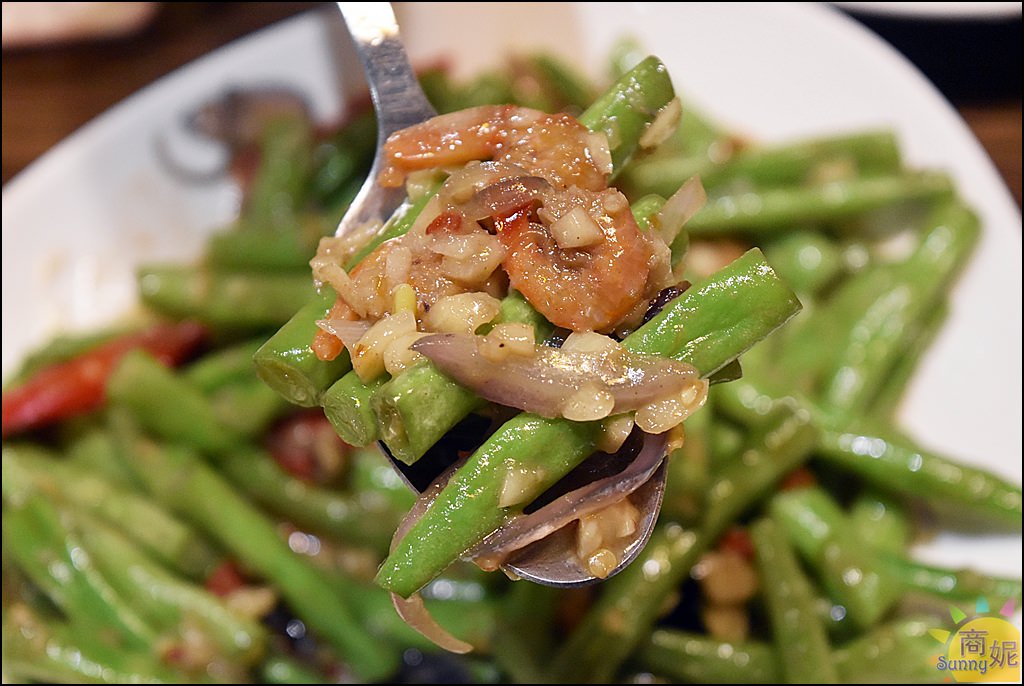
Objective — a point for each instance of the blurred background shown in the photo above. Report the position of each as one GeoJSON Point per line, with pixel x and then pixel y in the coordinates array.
{"type": "Point", "coordinates": [65, 63]}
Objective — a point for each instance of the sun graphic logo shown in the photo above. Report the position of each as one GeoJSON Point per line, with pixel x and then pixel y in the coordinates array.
{"type": "Point", "coordinates": [982, 648]}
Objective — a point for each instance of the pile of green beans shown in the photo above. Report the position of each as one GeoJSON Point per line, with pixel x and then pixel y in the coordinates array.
{"type": "Point", "coordinates": [122, 522]}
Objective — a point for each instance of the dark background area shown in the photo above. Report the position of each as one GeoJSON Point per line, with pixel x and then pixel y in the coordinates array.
{"type": "Point", "coordinates": [977, 64]}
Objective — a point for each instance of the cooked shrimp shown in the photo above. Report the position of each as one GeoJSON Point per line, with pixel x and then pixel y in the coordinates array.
{"type": "Point", "coordinates": [554, 146]}
{"type": "Point", "coordinates": [587, 288]}
{"type": "Point", "coordinates": [538, 181]}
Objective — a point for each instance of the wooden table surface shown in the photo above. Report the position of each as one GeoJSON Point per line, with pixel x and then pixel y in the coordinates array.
{"type": "Point", "coordinates": [88, 78]}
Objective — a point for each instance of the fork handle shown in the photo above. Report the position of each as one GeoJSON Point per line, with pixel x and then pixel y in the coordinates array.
{"type": "Point", "coordinates": [397, 96]}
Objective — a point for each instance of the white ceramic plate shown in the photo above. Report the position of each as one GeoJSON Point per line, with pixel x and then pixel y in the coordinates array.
{"type": "Point", "coordinates": [937, 11]}
{"type": "Point", "coordinates": [78, 220]}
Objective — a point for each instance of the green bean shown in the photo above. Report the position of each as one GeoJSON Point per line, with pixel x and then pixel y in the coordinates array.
{"type": "Point", "coordinates": [628, 606]}
{"type": "Point", "coordinates": [625, 53]}
{"type": "Point", "coordinates": [227, 300]}
{"type": "Point", "coordinates": [163, 536]}
{"type": "Point", "coordinates": [900, 652]}
{"type": "Point", "coordinates": [342, 161]}
{"type": "Point", "coordinates": [707, 326]}
{"type": "Point", "coordinates": [472, 621]}
{"type": "Point", "coordinates": [565, 87]}
{"type": "Point", "coordinates": [247, 407]}
{"type": "Point", "coordinates": [280, 183]}
{"type": "Point", "coordinates": [50, 651]}
{"type": "Point", "coordinates": [773, 211]}
{"type": "Point", "coordinates": [419, 406]}
{"type": "Point", "coordinates": [528, 613]}
{"type": "Point", "coordinates": [358, 519]}
{"type": "Point", "coordinates": [697, 136]}
{"type": "Point", "coordinates": [873, 153]}
{"type": "Point", "coordinates": [624, 110]}
{"type": "Point", "coordinates": [167, 405]}
{"type": "Point", "coordinates": [348, 406]}
{"type": "Point", "coordinates": [515, 308]}
{"type": "Point", "coordinates": [288, 248]}
{"type": "Point", "coordinates": [18, 480]}
{"type": "Point", "coordinates": [800, 356]}
{"type": "Point", "coordinates": [798, 634]}
{"type": "Point", "coordinates": [416, 408]}
{"type": "Point", "coordinates": [226, 365]}
{"type": "Point", "coordinates": [848, 568]}
{"type": "Point", "coordinates": [894, 463]}
{"type": "Point", "coordinates": [881, 334]}
{"type": "Point", "coordinates": [287, 363]}
{"type": "Point", "coordinates": [94, 451]}
{"type": "Point", "coordinates": [122, 509]}
{"type": "Point", "coordinates": [170, 405]}
{"type": "Point", "coordinates": [179, 479]}
{"type": "Point", "coordinates": [632, 601]}
{"type": "Point", "coordinates": [467, 509]}
{"type": "Point", "coordinates": [488, 88]}
{"type": "Point", "coordinates": [689, 473]}
{"type": "Point", "coordinates": [781, 445]}
{"type": "Point", "coordinates": [726, 438]}
{"type": "Point", "coordinates": [369, 474]}
{"type": "Point", "coordinates": [887, 401]}
{"type": "Point", "coordinates": [698, 659]}
{"type": "Point", "coordinates": [54, 559]}
{"type": "Point", "coordinates": [167, 601]}
{"type": "Point", "coordinates": [725, 314]}
{"type": "Point", "coordinates": [281, 669]}
{"type": "Point", "coordinates": [806, 260]}
{"type": "Point", "coordinates": [957, 585]}
{"type": "Point", "coordinates": [645, 209]}
{"type": "Point", "coordinates": [879, 521]}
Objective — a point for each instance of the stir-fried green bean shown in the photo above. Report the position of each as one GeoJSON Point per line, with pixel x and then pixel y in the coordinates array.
{"type": "Point", "coordinates": [190, 525]}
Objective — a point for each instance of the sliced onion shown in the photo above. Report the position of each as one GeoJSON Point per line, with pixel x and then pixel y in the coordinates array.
{"type": "Point", "coordinates": [415, 614]}
{"type": "Point", "coordinates": [678, 209]}
{"type": "Point", "coordinates": [541, 383]}
{"type": "Point", "coordinates": [465, 182]}
{"type": "Point", "coordinates": [348, 331]}
{"type": "Point", "coordinates": [504, 197]}
{"type": "Point", "coordinates": [664, 125]}
{"type": "Point", "coordinates": [524, 529]}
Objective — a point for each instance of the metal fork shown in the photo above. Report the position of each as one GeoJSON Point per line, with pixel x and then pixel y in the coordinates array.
{"type": "Point", "coordinates": [397, 99]}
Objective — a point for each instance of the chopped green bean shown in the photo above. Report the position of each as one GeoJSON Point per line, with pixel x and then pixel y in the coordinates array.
{"type": "Point", "coordinates": [848, 568]}
{"type": "Point", "coordinates": [179, 479]}
{"type": "Point", "coordinates": [227, 300]}
{"type": "Point", "coordinates": [698, 659]}
{"type": "Point", "coordinates": [798, 634]}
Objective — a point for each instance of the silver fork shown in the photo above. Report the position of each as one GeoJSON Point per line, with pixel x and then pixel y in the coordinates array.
{"type": "Point", "coordinates": [397, 99]}
{"type": "Point", "coordinates": [399, 102]}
